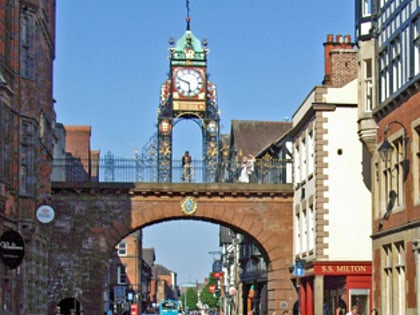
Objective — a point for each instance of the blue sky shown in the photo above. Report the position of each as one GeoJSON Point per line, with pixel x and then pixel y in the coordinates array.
{"type": "Point", "coordinates": [112, 56]}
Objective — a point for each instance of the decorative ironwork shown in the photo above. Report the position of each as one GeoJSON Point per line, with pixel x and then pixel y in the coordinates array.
{"type": "Point", "coordinates": [143, 168]}
{"type": "Point", "coordinates": [188, 94]}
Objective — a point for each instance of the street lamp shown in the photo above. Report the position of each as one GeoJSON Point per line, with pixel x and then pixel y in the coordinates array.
{"type": "Point", "coordinates": [386, 148]}
{"type": "Point", "coordinates": [385, 151]}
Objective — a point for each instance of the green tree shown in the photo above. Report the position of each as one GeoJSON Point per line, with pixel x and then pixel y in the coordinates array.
{"type": "Point", "coordinates": [208, 297]}
{"type": "Point", "coordinates": [190, 298]}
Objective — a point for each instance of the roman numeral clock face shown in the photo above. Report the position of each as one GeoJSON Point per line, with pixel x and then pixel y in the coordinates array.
{"type": "Point", "coordinates": [188, 81]}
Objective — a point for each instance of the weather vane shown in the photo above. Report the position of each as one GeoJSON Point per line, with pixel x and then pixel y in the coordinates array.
{"type": "Point", "coordinates": [187, 4]}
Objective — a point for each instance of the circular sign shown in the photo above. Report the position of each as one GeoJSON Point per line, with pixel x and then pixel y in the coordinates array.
{"type": "Point", "coordinates": [45, 214]}
{"type": "Point", "coordinates": [12, 249]}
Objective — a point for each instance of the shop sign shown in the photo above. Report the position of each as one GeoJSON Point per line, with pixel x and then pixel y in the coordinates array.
{"type": "Point", "coordinates": [217, 275]}
{"type": "Point", "coordinates": [45, 214]}
{"type": "Point", "coordinates": [12, 249]}
{"type": "Point", "coordinates": [335, 269]}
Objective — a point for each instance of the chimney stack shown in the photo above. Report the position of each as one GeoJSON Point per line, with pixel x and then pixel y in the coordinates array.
{"type": "Point", "coordinates": [341, 44]}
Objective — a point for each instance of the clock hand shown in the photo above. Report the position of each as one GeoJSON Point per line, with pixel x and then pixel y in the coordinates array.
{"type": "Point", "coordinates": [187, 82]}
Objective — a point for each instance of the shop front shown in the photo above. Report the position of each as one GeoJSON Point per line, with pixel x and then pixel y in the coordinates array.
{"type": "Point", "coordinates": [332, 288]}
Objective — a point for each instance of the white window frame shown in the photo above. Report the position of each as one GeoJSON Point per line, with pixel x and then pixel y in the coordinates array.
{"type": "Point", "coordinates": [416, 46]}
{"type": "Point", "coordinates": [122, 249]}
{"type": "Point", "coordinates": [122, 277]}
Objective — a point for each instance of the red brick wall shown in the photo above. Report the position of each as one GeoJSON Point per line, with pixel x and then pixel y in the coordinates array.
{"type": "Point", "coordinates": [78, 141]}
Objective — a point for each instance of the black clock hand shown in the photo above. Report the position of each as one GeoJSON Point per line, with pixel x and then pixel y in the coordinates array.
{"type": "Point", "coordinates": [186, 81]}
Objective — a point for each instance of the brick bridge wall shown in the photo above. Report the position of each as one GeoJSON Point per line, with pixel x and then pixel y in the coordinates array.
{"type": "Point", "coordinates": [93, 217]}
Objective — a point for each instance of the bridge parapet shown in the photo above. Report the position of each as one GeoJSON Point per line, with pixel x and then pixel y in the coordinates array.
{"type": "Point", "coordinates": [110, 169]}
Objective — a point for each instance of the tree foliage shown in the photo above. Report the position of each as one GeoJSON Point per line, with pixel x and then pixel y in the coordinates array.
{"type": "Point", "coordinates": [191, 299]}
{"type": "Point", "coordinates": [208, 297]}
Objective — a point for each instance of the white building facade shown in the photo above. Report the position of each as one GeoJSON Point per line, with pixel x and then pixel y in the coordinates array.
{"type": "Point", "coordinates": [332, 221]}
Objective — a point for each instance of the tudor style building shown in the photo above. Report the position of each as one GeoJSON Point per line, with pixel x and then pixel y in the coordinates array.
{"type": "Point", "coordinates": [388, 35]}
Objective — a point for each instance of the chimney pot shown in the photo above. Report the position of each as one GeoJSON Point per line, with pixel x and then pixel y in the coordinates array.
{"type": "Point", "coordinates": [330, 38]}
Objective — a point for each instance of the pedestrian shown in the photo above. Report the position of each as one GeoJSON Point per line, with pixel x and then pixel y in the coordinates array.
{"type": "Point", "coordinates": [354, 310]}
{"type": "Point", "coordinates": [374, 311]}
{"type": "Point", "coordinates": [250, 167]}
{"type": "Point", "coordinates": [243, 173]}
{"type": "Point", "coordinates": [341, 306]}
{"type": "Point", "coordinates": [186, 167]}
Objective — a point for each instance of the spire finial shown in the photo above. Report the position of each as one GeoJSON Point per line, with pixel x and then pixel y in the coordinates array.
{"type": "Point", "coordinates": [187, 4]}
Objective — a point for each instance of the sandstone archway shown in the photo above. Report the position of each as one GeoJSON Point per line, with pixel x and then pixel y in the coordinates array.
{"type": "Point", "coordinates": [91, 219]}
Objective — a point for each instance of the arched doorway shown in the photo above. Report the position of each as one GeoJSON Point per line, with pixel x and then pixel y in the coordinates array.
{"type": "Point", "coordinates": [69, 306]}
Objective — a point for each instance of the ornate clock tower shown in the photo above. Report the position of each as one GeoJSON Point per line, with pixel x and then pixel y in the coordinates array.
{"type": "Point", "coordinates": [188, 94]}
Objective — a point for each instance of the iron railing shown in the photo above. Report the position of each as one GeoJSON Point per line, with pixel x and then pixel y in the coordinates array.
{"type": "Point", "coordinates": [111, 169]}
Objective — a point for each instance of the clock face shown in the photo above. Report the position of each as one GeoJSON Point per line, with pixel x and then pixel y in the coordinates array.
{"type": "Point", "coordinates": [188, 81]}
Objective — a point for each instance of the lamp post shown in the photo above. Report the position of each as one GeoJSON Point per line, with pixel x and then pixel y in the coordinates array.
{"type": "Point", "coordinates": [385, 151]}
{"type": "Point", "coordinates": [386, 148]}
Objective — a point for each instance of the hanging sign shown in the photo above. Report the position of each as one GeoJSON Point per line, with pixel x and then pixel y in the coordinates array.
{"type": "Point", "coordinates": [45, 214]}
{"type": "Point", "coordinates": [11, 249]}
{"type": "Point", "coordinates": [299, 268]}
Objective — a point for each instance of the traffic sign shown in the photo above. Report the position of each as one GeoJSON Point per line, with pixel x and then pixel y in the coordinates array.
{"type": "Point", "coordinates": [119, 294]}
{"type": "Point", "coordinates": [217, 266]}
{"type": "Point", "coordinates": [299, 268]}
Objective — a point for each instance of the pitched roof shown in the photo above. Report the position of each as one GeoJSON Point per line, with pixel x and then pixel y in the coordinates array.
{"type": "Point", "coordinates": [252, 137]}
{"type": "Point", "coordinates": [161, 270]}
{"type": "Point", "coordinates": [149, 256]}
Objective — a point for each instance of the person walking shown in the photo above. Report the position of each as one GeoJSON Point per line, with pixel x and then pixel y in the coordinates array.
{"type": "Point", "coordinates": [243, 174]}
{"type": "Point", "coordinates": [354, 310]}
{"type": "Point", "coordinates": [250, 166]}
{"type": "Point", "coordinates": [186, 167]}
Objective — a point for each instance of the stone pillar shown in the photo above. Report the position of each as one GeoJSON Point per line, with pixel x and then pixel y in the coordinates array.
{"type": "Point", "coordinates": [319, 294]}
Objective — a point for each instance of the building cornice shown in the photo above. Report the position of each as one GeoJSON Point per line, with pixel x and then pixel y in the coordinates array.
{"type": "Point", "coordinates": [177, 189]}
{"type": "Point", "coordinates": [393, 102]}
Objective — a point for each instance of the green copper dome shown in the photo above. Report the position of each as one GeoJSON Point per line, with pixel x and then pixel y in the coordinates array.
{"type": "Point", "coordinates": [188, 47]}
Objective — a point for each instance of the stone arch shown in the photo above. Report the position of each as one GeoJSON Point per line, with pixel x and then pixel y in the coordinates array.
{"type": "Point", "coordinates": [91, 220]}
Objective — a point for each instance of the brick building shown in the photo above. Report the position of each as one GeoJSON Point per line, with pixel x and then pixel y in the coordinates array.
{"type": "Point", "coordinates": [388, 34]}
{"type": "Point", "coordinates": [27, 118]}
{"type": "Point", "coordinates": [125, 271]}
